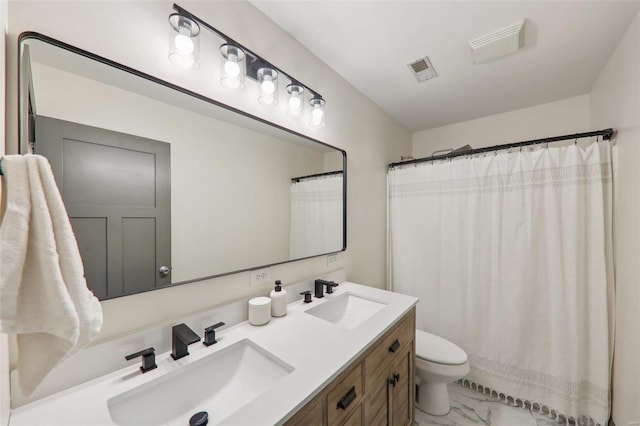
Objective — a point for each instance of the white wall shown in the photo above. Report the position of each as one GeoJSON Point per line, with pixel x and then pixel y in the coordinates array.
{"type": "Point", "coordinates": [615, 102]}
{"type": "Point", "coordinates": [213, 230]}
{"type": "Point", "coordinates": [371, 138]}
{"type": "Point", "coordinates": [556, 118]}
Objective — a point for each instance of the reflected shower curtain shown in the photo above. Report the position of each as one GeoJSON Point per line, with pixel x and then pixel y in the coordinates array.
{"type": "Point", "coordinates": [510, 255]}
{"type": "Point", "coordinates": [316, 216]}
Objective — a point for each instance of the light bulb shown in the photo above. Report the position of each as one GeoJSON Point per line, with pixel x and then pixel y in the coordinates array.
{"type": "Point", "coordinates": [232, 68]}
{"type": "Point", "coordinates": [267, 85]}
{"type": "Point", "coordinates": [183, 42]}
{"type": "Point", "coordinates": [316, 116]}
{"type": "Point", "coordinates": [294, 104]}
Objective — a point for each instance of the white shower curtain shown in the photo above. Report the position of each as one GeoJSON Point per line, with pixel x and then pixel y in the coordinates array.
{"type": "Point", "coordinates": [511, 257]}
{"type": "Point", "coordinates": [316, 216]}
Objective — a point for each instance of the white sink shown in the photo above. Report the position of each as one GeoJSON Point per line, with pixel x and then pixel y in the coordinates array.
{"type": "Point", "coordinates": [219, 384]}
{"type": "Point", "coordinates": [347, 310]}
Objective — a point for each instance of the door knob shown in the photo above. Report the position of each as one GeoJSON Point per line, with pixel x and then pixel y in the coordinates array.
{"type": "Point", "coordinates": [163, 271]}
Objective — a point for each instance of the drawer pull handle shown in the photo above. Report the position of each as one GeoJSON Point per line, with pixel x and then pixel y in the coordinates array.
{"type": "Point", "coordinates": [394, 379]}
{"type": "Point", "coordinates": [347, 399]}
{"type": "Point", "coordinates": [394, 346]}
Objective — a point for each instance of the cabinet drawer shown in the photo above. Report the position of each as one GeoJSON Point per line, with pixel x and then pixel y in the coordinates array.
{"type": "Point", "coordinates": [345, 396]}
{"type": "Point", "coordinates": [389, 347]}
{"type": "Point", "coordinates": [310, 415]}
{"type": "Point", "coordinates": [355, 419]}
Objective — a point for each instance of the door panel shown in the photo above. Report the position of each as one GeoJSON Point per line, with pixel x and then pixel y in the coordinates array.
{"type": "Point", "coordinates": [122, 182]}
{"type": "Point", "coordinates": [138, 254]}
{"type": "Point", "coordinates": [100, 175]}
{"type": "Point", "coordinates": [91, 234]}
{"type": "Point", "coordinates": [403, 398]}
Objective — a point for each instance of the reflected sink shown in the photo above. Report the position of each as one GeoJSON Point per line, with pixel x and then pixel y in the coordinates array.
{"type": "Point", "coordinates": [219, 384]}
{"type": "Point", "coordinates": [347, 310]}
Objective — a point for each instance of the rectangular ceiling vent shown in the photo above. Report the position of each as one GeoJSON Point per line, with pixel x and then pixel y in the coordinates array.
{"type": "Point", "coordinates": [499, 43]}
{"type": "Point", "coordinates": [422, 69]}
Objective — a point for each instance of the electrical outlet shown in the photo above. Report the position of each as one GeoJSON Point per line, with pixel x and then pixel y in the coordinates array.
{"type": "Point", "coordinates": [259, 276]}
{"type": "Point", "coordinates": [332, 258]}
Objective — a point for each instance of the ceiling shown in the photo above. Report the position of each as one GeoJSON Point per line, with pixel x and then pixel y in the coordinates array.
{"type": "Point", "coordinates": [369, 43]}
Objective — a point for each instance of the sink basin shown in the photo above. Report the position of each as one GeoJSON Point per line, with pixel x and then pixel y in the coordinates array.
{"type": "Point", "coordinates": [347, 310]}
{"type": "Point", "coordinates": [219, 384]}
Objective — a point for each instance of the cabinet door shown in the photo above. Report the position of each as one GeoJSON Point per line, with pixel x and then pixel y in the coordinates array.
{"type": "Point", "coordinates": [376, 404]}
{"type": "Point", "coordinates": [402, 389]}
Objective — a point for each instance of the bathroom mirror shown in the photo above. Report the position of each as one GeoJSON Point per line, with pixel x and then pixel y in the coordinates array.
{"type": "Point", "coordinates": [165, 186]}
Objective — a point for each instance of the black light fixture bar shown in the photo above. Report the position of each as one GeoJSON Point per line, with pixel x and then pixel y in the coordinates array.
{"type": "Point", "coordinates": [605, 133]}
{"type": "Point", "coordinates": [254, 61]}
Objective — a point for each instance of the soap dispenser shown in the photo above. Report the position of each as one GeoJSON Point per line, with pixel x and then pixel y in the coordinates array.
{"type": "Point", "coordinates": [278, 300]}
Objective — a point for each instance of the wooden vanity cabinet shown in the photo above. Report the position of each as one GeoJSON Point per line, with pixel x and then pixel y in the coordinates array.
{"type": "Point", "coordinates": [376, 389]}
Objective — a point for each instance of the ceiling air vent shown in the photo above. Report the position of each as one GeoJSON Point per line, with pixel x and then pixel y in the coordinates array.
{"type": "Point", "coordinates": [422, 69]}
{"type": "Point", "coordinates": [499, 43]}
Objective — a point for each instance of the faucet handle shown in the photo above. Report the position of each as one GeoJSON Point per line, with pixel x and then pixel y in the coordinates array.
{"type": "Point", "coordinates": [210, 334]}
{"type": "Point", "coordinates": [148, 359]}
{"type": "Point", "coordinates": [307, 296]}
{"type": "Point", "coordinates": [330, 285]}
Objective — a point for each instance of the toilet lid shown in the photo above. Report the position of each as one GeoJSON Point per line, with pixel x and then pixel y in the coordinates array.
{"type": "Point", "coordinates": [430, 347]}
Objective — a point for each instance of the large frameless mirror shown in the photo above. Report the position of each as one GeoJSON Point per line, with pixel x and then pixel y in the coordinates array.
{"type": "Point", "coordinates": [164, 186]}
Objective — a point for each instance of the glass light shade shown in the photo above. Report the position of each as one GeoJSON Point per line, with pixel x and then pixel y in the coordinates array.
{"type": "Point", "coordinates": [232, 72]}
{"type": "Point", "coordinates": [317, 111]}
{"type": "Point", "coordinates": [268, 79]}
{"type": "Point", "coordinates": [184, 41]}
{"type": "Point", "coordinates": [296, 99]}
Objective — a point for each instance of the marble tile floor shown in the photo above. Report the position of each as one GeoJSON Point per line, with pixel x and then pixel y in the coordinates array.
{"type": "Point", "coordinates": [469, 407]}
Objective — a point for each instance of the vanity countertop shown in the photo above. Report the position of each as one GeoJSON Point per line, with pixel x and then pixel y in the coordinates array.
{"type": "Point", "coordinates": [318, 351]}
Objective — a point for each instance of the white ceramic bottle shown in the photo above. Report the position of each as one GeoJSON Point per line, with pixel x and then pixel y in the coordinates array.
{"type": "Point", "coordinates": [278, 300]}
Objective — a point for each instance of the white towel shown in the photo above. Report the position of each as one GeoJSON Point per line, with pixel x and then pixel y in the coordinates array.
{"type": "Point", "coordinates": [44, 297]}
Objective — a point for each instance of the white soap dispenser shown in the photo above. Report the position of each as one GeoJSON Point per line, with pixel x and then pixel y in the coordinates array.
{"type": "Point", "coordinates": [278, 300]}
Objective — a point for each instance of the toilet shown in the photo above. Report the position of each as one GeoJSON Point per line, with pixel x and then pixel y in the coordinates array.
{"type": "Point", "coordinates": [438, 362]}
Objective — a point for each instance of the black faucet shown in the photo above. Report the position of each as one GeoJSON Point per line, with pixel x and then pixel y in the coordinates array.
{"type": "Point", "coordinates": [307, 296]}
{"type": "Point", "coordinates": [181, 337]}
{"type": "Point", "coordinates": [319, 287]}
{"type": "Point", "coordinates": [330, 285]}
{"type": "Point", "coordinates": [210, 334]}
{"type": "Point", "coordinates": [148, 359]}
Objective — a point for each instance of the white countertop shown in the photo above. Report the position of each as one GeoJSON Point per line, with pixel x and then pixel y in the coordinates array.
{"type": "Point", "coordinates": [318, 351]}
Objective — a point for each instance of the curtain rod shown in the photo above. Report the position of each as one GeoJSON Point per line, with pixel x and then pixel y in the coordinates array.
{"type": "Point", "coordinates": [605, 133]}
{"type": "Point", "coordinates": [298, 179]}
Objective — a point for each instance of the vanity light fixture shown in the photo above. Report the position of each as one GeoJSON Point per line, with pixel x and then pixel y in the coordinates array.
{"type": "Point", "coordinates": [184, 43]}
{"type": "Point", "coordinates": [268, 79]}
{"type": "Point", "coordinates": [296, 98]}
{"type": "Point", "coordinates": [238, 62]}
{"type": "Point", "coordinates": [317, 111]}
{"type": "Point", "coordinates": [232, 72]}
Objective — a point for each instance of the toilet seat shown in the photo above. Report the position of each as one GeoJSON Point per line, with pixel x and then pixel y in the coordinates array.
{"type": "Point", "coordinates": [432, 348]}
